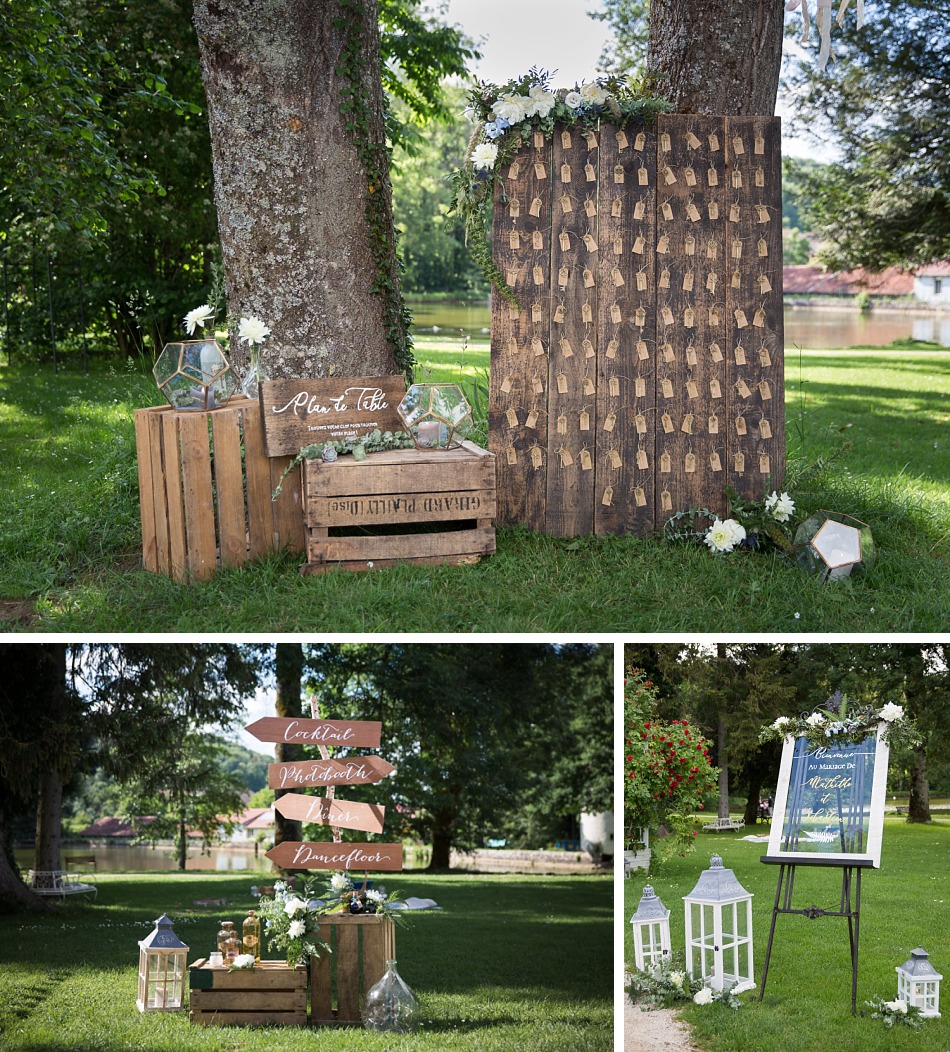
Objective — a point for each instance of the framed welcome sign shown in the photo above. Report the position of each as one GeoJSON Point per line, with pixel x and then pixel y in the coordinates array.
{"type": "Point", "coordinates": [829, 802]}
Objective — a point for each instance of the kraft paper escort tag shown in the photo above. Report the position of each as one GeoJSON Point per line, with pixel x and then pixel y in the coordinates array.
{"type": "Point", "coordinates": [692, 142]}
{"type": "Point", "coordinates": [608, 498]}
{"type": "Point", "coordinates": [764, 284]}
{"type": "Point", "coordinates": [765, 465]}
{"type": "Point", "coordinates": [514, 170]}
{"type": "Point", "coordinates": [532, 420]}
{"type": "Point", "coordinates": [758, 177]}
{"type": "Point", "coordinates": [511, 455]}
{"type": "Point", "coordinates": [512, 417]}
{"type": "Point", "coordinates": [687, 425]}
{"type": "Point", "coordinates": [759, 143]}
{"type": "Point", "coordinates": [615, 462]}
{"type": "Point", "coordinates": [610, 421]}
{"type": "Point", "coordinates": [564, 240]}
{"type": "Point", "coordinates": [567, 205]}
{"type": "Point", "coordinates": [715, 388]}
{"type": "Point", "coordinates": [689, 174]}
{"type": "Point", "coordinates": [536, 313]}
{"type": "Point", "coordinates": [713, 140]}
{"type": "Point", "coordinates": [587, 313]}
{"type": "Point", "coordinates": [565, 140]}
{"type": "Point", "coordinates": [764, 390]}
{"type": "Point", "coordinates": [538, 139]}
{"type": "Point", "coordinates": [735, 282]}
{"type": "Point", "coordinates": [712, 177]}
{"type": "Point", "coordinates": [537, 347]}
{"type": "Point", "coordinates": [667, 422]}
{"type": "Point", "coordinates": [713, 210]}
{"type": "Point", "coordinates": [663, 245]}
{"type": "Point", "coordinates": [559, 313]}
{"type": "Point", "coordinates": [715, 352]}
{"type": "Point", "coordinates": [540, 172]}
{"type": "Point", "coordinates": [762, 214]}
{"type": "Point", "coordinates": [713, 424]}
{"type": "Point", "coordinates": [612, 347]}
{"type": "Point", "coordinates": [514, 240]}
{"type": "Point", "coordinates": [712, 250]}
{"type": "Point", "coordinates": [741, 428]}
{"type": "Point", "coordinates": [715, 464]}
{"type": "Point", "coordinates": [664, 281]}
{"type": "Point", "coordinates": [643, 176]}
{"type": "Point", "coordinates": [591, 139]}
{"type": "Point", "coordinates": [667, 315]}
{"type": "Point", "coordinates": [641, 280]}
{"type": "Point", "coordinates": [691, 359]}
{"type": "Point", "coordinates": [616, 316]}
{"type": "Point", "coordinates": [743, 388]}
{"type": "Point", "coordinates": [765, 428]}
{"type": "Point", "coordinates": [511, 276]}
{"type": "Point", "coordinates": [616, 208]}
{"type": "Point", "coordinates": [565, 454]}
{"type": "Point", "coordinates": [736, 179]}
{"type": "Point", "coordinates": [758, 319]}
{"type": "Point", "coordinates": [506, 384]}
{"type": "Point", "coordinates": [590, 208]}
{"type": "Point", "coordinates": [665, 144]}
{"type": "Point", "coordinates": [643, 353]}
{"type": "Point", "coordinates": [711, 279]}
{"type": "Point", "coordinates": [666, 501]}
{"type": "Point", "coordinates": [565, 173]}
{"type": "Point", "coordinates": [588, 279]}
{"type": "Point", "coordinates": [613, 387]}
{"type": "Point", "coordinates": [590, 242]}
{"type": "Point", "coordinates": [538, 274]}
{"type": "Point", "coordinates": [618, 173]}
{"type": "Point", "coordinates": [738, 147]}
{"type": "Point", "coordinates": [638, 245]}
{"type": "Point", "coordinates": [588, 348]}
{"type": "Point", "coordinates": [585, 421]}
{"type": "Point", "coordinates": [765, 359]}
{"type": "Point", "coordinates": [738, 462]}
{"type": "Point", "coordinates": [640, 422]}
{"type": "Point", "coordinates": [535, 457]}
{"type": "Point", "coordinates": [692, 389]}
{"type": "Point", "coordinates": [562, 425]}
{"type": "Point", "coordinates": [667, 210]}
{"type": "Point", "coordinates": [735, 213]}
{"type": "Point", "coordinates": [640, 317]}
{"type": "Point", "coordinates": [714, 316]}
{"type": "Point", "coordinates": [621, 136]}
{"type": "Point", "coordinates": [643, 461]}
{"type": "Point", "coordinates": [689, 245]}
{"type": "Point", "coordinates": [640, 497]}
{"type": "Point", "coordinates": [736, 248]}
{"type": "Point", "coordinates": [640, 141]}
{"type": "Point", "coordinates": [617, 278]}
{"type": "Point", "coordinates": [535, 208]}
{"type": "Point", "coordinates": [618, 245]}
{"type": "Point", "coordinates": [590, 173]}
{"type": "Point", "coordinates": [514, 208]}
{"type": "Point", "coordinates": [564, 344]}
{"type": "Point", "coordinates": [537, 240]}
{"type": "Point", "coordinates": [739, 353]}
{"type": "Point", "coordinates": [562, 277]}
{"type": "Point", "coordinates": [762, 247]}
{"type": "Point", "coordinates": [669, 176]}
{"type": "Point", "coordinates": [693, 212]}
{"type": "Point", "coordinates": [668, 354]}
{"type": "Point", "coordinates": [639, 387]}
{"type": "Point", "coordinates": [666, 463]}
{"type": "Point", "coordinates": [688, 278]}
{"type": "Point", "coordinates": [666, 386]}
{"type": "Point", "coordinates": [639, 209]}
{"type": "Point", "coordinates": [688, 318]}
{"type": "Point", "coordinates": [513, 347]}
{"type": "Point", "coordinates": [537, 384]}
{"type": "Point", "coordinates": [689, 463]}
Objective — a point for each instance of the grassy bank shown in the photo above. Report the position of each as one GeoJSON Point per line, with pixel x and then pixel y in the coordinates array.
{"type": "Point", "coordinates": [70, 545]}
{"type": "Point", "coordinates": [807, 1005]}
{"type": "Point", "coordinates": [490, 969]}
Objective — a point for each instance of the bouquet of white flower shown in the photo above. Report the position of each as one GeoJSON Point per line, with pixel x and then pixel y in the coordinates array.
{"type": "Point", "coordinates": [291, 922]}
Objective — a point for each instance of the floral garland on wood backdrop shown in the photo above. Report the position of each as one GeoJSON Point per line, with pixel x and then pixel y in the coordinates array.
{"type": "Point", "coordinates": [506, 116]}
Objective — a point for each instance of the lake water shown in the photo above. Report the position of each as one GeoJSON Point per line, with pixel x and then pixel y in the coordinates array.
{"type": "Point", "coordinates": [806, 327]}
{"type": "Point", "coordinates": [121, 858]}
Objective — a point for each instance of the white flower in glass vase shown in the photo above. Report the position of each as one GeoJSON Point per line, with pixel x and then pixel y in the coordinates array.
{"type": "Point", "coordinates": [253, 332]}
{"type": "Point", "coordinates": [891, 712]}
{"type": "Point", "coordinates": [484, 155]}
{"type": "Point", "coordinates": [198, 318]}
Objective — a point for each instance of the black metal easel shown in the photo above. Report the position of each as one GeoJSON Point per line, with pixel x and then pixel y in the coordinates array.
{"type": "Point", "coordinates": [850, 878]}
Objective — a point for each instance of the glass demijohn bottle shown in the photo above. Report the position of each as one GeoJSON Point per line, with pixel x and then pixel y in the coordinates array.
{"type": "Point", "coordinates": [390, 1004]}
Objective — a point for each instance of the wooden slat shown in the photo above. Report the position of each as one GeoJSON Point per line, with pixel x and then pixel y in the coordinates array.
{"type": "Point", "coordinates": [376, 944]}
{"type": "Point", "coordinates": [176, 560]}
{"type": "Point", "coordinates": [520, 339]}
{"type": "Point", "coordinates": [229, 487]}
{"type": "Point", "coordinates": [288, 509]}
{"type": "Point", "coordinates": [146, 495]}
{"type": "Point", "coordinates": [691, 321]}
{"type": "Point", "coordinates": [763, 457]}
{"type": "Point", "coordinates": [260, 513]}
{"type": "Point", "coordinates": [414, 546]}
{"type": "Point", "coordinates": [197, 494]}
{"type": "Point", "coordinates": [413, 471]}
{"type": "Point", "coordinates": [295, 1018]}
{"type": "Point", "coordinates": [574, 289]}
{"type": "Point", "coordinates": [347, 955]}
{"type": "Point", "coordinates": [625, 381]}
{"type": "Point", "coordinates": [162, 462]}
{"type": "Point", "coordinates": [412, 506]}
{"type": "Point", "coordinates": [235, 1000]}
{"type": "Point", "coordinates": [321, 986]}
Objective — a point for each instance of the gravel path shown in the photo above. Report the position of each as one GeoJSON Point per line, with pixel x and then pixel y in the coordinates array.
{"type": "Point", "coordinates": [653, 1031]}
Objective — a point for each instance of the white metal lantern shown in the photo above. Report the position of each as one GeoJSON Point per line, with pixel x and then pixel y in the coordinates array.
{"type": "Point", "coordinates": [651, 930]}
{"type": "Point", "coordinates": [163, 958]}
{"type": "Point", "coordinates": [719, 928]}
{"type": "Point", "coordinates": [918, 984]}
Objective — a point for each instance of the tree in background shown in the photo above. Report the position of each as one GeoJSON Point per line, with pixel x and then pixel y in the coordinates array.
{"type": "Point", "coordinates": [625, 51]}
{"type": "Point", "coordinates": [885, 104]}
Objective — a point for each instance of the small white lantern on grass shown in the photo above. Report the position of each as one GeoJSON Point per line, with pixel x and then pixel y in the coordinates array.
{"type": "Point", "coordinates": [918, 984]}
{"type": "Point", "coordinates": [163, 958]}
{"type": "Point", "coordinates": [651, 930]}
{"type": "Point", "coordinates": [719, 929]}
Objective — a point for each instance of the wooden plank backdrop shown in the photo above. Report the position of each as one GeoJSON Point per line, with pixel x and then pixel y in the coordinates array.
{"type": "Point", "coordinates": [647, 265]}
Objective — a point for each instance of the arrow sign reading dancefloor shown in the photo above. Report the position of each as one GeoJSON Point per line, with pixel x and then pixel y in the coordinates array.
{"type": "Point", "coordinates": [342, 813]}
{"type": "Point", "coordinates": [295, 855]}
{"type": "Point", "coordinates": [362, 734]}
{"type": "Point", "coordinates": [361, 770]}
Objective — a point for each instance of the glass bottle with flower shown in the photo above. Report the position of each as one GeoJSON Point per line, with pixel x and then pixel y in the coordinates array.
{"type": "Point", "coordinates": [253, 332]}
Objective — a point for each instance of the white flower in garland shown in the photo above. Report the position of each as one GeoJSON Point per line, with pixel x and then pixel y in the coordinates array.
{"type": "Point", "coordinates": [678, 978]}
{"type": "Point", "coordinates": [374, 896]}
{"type": "Point", "coordinates": [573, 100]}
{"type": "Point", "coordinates": [340, 882]}
{"type": "Point", "coordinates": [484, 155]}
{"type": "Point", "coordinates": [297, 929]}
{"type": "Point", "coordinates": [542, 101]}
{"type": "Point", "coordinates": [703, 996]}
{"type": "Point", "coordinates": [780, 506]}
{"type": "Point", "coordinates": [891, 712]}
{"type": "Point", "coordinates": [815, 719]}
{"type": "Point", "coordinates": [782, 721]}
{"type": "Point", "coordinates": [198, 318]}
{"type": "Point", "coordinates": [724, 535]}
{"type": "Point", "coordinates": [899, 1006]}
{"type": "Point", "coordinates": [294, 905]}
{"type": "Point", "coordinates": [512, 108]}
{"type": "Point", "coordinates": [593, 94]}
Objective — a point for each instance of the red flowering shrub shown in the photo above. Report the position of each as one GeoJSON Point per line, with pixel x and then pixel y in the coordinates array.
{"type": "Point", "coordinates": [667, 773]}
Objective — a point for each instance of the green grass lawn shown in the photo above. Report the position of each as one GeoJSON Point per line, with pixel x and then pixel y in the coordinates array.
{"type": "Point", "coordinates": [70, 543]}
{"type": "Point", "coordinates": [510, 963]}
{"type": "Point", "coordinates": [807, 1005]}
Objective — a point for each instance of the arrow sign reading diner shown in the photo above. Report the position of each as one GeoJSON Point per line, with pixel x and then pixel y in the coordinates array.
{"type": "Point", "coordinates": [342, 813]}
{"type": "Point", "coordinates": [295, 855]}
{"type": "Point", "coordinates": [361, 770]}
{"type": "Point", "coordinates": [361, 734]}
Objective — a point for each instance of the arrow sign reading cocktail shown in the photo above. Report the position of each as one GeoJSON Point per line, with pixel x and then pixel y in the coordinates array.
{"type": "Point", "coordinates": [360, 770]}
{"type": "Point", "coordinates": [363, 734]}
{"type": "Point", "coordinates": [295, 855]}
{"type": "Point", "coordinates": [342, 813]}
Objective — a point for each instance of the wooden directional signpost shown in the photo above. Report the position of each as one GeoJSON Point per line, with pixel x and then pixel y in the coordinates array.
{"type": "Point", "coordinates": [340, 813]}
{"type": "Point", "coordinates": [316, 732]}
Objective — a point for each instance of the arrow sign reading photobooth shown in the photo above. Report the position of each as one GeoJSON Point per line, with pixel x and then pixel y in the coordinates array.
{"type": "Point", "coordinates": [295, 855]}
{"type": "Point", "coordinates": [361, 770]}
{"type": "Point", "coordinates": [341, 813]}
{"type": "Point", "coordinates": [363, 734]}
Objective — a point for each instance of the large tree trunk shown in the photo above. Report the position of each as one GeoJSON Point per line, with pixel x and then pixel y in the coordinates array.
{"type": "Point", "coordinates": [288, 674]}
{"type": "Point", "coordinates": [718, 56]}
{"type": "Point", "coordinates": [14, 894]}
{"type": "Point", "coordinates": [441, 859]}
{"type": "Point", "coordinates": [49, 811]}
{"type": "Point", "coordinates": [302, 190]}
{"type": "Point", "coordinates": [918, 808]}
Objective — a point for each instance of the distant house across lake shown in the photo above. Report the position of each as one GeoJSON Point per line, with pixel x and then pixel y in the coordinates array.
{"type": "Point", "coordinates": [927, 285]}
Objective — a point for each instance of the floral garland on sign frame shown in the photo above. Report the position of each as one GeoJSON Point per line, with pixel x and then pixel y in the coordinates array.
{"type": "Point", "coordinates": [834, 723]}
{"type": "Point", "coordinates": [505, 117]}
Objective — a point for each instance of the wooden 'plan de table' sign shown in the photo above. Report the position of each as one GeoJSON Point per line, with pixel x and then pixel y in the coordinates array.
{"type": "Point", "coordinates": [297, 413]}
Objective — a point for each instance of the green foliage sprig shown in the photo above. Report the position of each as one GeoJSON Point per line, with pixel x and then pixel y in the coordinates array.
{"type": "Point", "coordinates": [375, 442]}
{"type": "Point", "coordinates": [668, 984]}
{"type": "Point", "coordinates": [291, 923]}
{"type": "Point", "coordinates": [534, 107]}
{"type": "Point", "coordinates": [375, 158]}
{"type": "Point", "coordinates": [895, 1013]}
{"type": "Point", "coordinates": [837, 723]}
{"type": "Point", "coordinates": [768, 524]}
{"type": "Point", "coordinates": [340, 892]}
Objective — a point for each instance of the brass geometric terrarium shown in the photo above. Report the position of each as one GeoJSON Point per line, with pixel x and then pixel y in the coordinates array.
{"type": "Point", "coordinates": [436, 415]}
{"type": "Point", "coordinates": [194, 374]}
{"type": "Point", "coordinates": [834, 545]}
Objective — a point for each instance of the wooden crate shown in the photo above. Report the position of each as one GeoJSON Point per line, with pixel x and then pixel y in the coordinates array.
{"type": "Point", "coordinates": [269, 993]}
{"type": "Point", "coordinates": [205, 489]}
{"type": "Point", "coordinates": [431, 506]}
{"type": "Point", "coordinates": [338, 981]}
